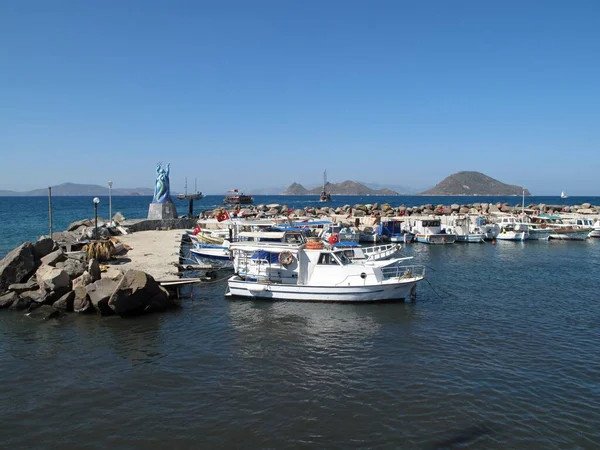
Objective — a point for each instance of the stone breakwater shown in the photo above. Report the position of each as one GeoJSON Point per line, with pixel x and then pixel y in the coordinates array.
{"type": "Point", "coordinates": [45, 280]}
{"type": "Point", "coordinates": [387, 210]}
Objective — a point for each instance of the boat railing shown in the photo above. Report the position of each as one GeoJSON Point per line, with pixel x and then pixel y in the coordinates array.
{"type": "Point", "coordinates": [403, 272]}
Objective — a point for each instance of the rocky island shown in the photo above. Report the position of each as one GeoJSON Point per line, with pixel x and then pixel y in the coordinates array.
{"type": "Point", "coordinates": [473, 183]}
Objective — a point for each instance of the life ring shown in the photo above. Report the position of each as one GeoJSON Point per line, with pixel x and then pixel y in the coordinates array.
{"type": "Point", "coordinates": [334, 239]}
{"type": "Point", "coordinates": [286, 258]}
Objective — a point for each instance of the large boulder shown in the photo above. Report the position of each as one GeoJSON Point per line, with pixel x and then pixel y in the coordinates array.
{"type": "Point", "coordinates": [73, 267]}
{"type": "Point", "coordinates": [138, 292]}
{"type": "Point", "coordinates": [99, 292]}
{"type": "Point", "coordinates": [65, 303]}
{"type": "Point", "coordinates": [83, 280]}
{"type": "Point", "coordinates": [19, 288]}
{"type": "Point", "coordinates": [81, 302]}
{"type": "Point", "coordinates": [80, 223]}
{"type": "Point", "coordinates": [52, 278]}
{"type": "Point", "coordinates": [37, 296]}
{"type": "Point", "coordinates": [94, 269]}
{"type": "Point", "coordinates": [43, 247]}
{"type": "Point", "coordinates": [20, 304]}
{"type": "Point", "coordinates": [51, 259]}
{"type": "Point", "coordinates": [8, 299]}
{"type": "Point", "coordinates": [17, 266]}
{"type": "Point", "coordinates": [112, 274]}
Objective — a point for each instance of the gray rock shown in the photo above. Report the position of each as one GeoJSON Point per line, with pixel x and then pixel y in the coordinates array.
{"type": "Point", "coordinates": [20, 304]}
{"type": "Point", "coordinates": [17, 266]}
{"type": "Point", "coordinates": [43, 247]}
{"type": "Point", "coordinates": [94, 269]}
{"type": "Point", "coordinates": [112, 274]}
{"type": "Point", "coordinates": [73, 267]}
{"type": "Point", "coordinates": [65, 303]}
{"type": "Point", "coordinates": [52, 278]}
{"type": "Point", "coordinates": [53, 296]}
{"type": "Point", "coordinates": [37, 296]}
{"type": "Point", "coordinates": [118, 217]}
{"type": "Point", "coordinates": [81, 301]}
{"type": "Point", "coordinates": [138, 292]}
{"type": "Point", "coordinates": [31, 285]}
{"type": "Point", "coordinates": [99, 293]}
{"type": "Point", "coordinates": [51, 259]}
{"type": "Point", "coordinates": [83, 280]}
{"type": "Point", "coordinates": [80, 223]}
{"type": "Point", "coordinates": [44, 312]}
{"type": "Point", "coordinates": [8, 299]}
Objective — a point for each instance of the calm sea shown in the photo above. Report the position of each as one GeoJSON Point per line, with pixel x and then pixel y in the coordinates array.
{"type": "Point", "coordinates": [499, 351]}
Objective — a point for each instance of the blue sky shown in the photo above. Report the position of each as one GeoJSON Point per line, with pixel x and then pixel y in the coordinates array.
{"type": "Point", "coordinates": [248, 94]}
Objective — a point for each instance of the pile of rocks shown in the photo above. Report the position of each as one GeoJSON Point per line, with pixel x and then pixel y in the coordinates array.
{"type": "Point", "coordinates": [44, 280]}
{"type": "Point", "coordinates": [387, 210]}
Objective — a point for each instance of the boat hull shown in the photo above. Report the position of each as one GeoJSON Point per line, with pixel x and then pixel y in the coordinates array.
{"type": "Point", "coordinates": [392, 291]}
{"type": "Point", "coordinates": [436, 239]}
{"type": "Point", "coordinates": [570, 235]}
{"type": "Point", "coordinates": [472, 237]}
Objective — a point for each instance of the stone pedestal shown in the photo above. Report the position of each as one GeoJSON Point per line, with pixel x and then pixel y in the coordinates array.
{"type": "Point", "coordinates": [160, 211]}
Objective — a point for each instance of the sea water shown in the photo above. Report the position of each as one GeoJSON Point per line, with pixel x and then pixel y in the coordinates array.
{"type": "Point", "coordinates": [499, 350]}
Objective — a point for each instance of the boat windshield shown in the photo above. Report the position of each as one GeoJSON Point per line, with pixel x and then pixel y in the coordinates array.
{"type": "Point", "coordinates": [343, 257]}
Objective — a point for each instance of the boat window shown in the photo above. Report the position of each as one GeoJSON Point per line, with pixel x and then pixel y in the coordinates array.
{"type": "Point", "coordinates": [343, 257]}
{"type": "Point", "coordinates": [327, 259]}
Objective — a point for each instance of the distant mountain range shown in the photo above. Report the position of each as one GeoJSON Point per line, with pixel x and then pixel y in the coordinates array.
{"type": "Point", "coordinates": [473, 183]}
{"type": "Point", "coordinates": [73, 189]}
{"type": "Point", "coordinates": [460, 183]}
{"type": "Point", "coordinates": [343, 188]}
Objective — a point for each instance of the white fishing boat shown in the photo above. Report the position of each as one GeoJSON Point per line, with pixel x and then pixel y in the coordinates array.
{"type": "Point", "coordinates": [461, 226]}
{"type": "Point", "coordinates": [316, 272]}
{"type": "Point", "coordinates": [511, 228]}
{"type": "Point", "coordinates": [595, 233]}
{"type": "Point", "coordinates": [216, 256]}
{"type": "Point", "coordinates": [429, 231]}
{"type": "Point", "coordinates": [560, 230]}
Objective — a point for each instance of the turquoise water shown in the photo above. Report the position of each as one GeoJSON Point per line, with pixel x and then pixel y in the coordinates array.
{"type": "Point", "coordinates": [500, 350]}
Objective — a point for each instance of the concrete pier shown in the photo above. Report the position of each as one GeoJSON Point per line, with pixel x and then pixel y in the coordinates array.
{"type": "Point", "coordinates": [154, 252]}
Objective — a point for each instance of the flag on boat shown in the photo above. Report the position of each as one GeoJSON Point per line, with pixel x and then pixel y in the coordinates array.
{"type": "Point", "coordinates": [223, 215]}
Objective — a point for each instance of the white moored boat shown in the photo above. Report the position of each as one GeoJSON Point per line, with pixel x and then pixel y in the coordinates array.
{"type": "Point", "coordinates": [316, 272]}
{"type": "Point", "coordinates": [429, 231]}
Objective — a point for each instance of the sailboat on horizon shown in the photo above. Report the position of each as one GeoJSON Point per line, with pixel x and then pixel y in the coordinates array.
{"type": "Point", "coordinates": [325, 196]}
{"type": "Point", "coordinates": [563, 194]}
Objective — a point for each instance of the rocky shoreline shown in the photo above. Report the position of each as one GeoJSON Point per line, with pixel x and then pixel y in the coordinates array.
{"type": "Point", "coordinates": [45, 280]}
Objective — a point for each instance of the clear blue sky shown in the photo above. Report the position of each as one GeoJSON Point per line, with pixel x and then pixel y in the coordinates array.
{"type": "Point", "coordinates": [245, 94]}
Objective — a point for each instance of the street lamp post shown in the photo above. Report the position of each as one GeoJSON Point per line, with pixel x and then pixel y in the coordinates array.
{"type": "Point", "coordinates": [96, 201]}
{"type": "Point", "coordinates": [110, 203]}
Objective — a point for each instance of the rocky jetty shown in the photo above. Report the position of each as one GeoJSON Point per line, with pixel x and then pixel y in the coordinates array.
{"type": "Point", "coordinates": [387, 210]}
{"type": "Point", "coordinates": [45, 280]}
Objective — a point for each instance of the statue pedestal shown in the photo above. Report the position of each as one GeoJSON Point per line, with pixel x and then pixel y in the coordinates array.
{"type": "Point", "coordinates": [160, 211]}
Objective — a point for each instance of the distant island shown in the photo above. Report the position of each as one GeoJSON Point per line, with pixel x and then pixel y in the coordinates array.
{"type": "Point", "coordinates": [460, 183]}
{"type": "Point", "coordinates": [473, 183]}
{"type": "Point", "coordinates": [74, 189]}
{"type": "Point", "coordinates": [343, 188]}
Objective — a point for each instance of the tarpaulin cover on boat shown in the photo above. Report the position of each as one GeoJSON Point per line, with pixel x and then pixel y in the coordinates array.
{"type": "Point", "coordinates": [272, 258]}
